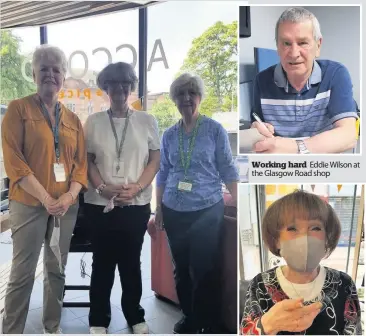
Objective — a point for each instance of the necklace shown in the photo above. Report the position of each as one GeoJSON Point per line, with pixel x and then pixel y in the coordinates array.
{"type": "Point", "coordinates": [312, 289]}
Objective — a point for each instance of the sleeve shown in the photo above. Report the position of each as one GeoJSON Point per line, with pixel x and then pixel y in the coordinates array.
{"type": "Point", "coordinates": [12, 134]}
{"type": "Point", "coordinates": [341, 103]}
{"type": "Point", "coordinates": [88, 135]}
{"type": "Point", "coordinates": [80, 167]}
{"type": "Point", "coordinates": [164, 162]}
{"type": "Point", "coordinates": [154, 141]}
{"type": "Point", "coordinates": [256, 104]}
{"type": "Point", "coordinates": [250, 322]}
{"type": "Point", "coordinates": [224, 158]}
{"type": "Point", "coordinates": [352, 310]}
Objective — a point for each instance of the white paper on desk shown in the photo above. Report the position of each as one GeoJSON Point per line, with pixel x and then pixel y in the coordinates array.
{"type": "Point", "coordinates": [248, 138]}
{"type": "Point", "coordinates": [301, 138]}
{"type": "Point", "coordinates": [243, 169]}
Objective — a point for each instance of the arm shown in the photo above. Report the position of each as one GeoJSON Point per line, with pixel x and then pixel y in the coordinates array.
{"type": "Point", "coordinates": [93, 172]}
{"type": "Point", "coordinates": [161, 180]}
{"type": "Point", "coordinates": [289, 315]}
{"type": "Point", "coordinates": [233, 189]}
{"type": "Point", "coordinates": [342, 113]}
{"type": "Point", "coordinates": [250, 323]}
{"type": "Point", "coordinates": [96, 180]}
{"type": "Point", "coordinates": [352, 311]}
{"type": "Point", "coordinates": [159, 195]}
{"type": "Point", "coordinates": [338, 140]}
{"type": "Point", "coordinates": [16, 167]}
{"type": "Point", "coordinates": [163, 171]}
{"type": "Point", "coordinates": [79, 175]}
{"type": "Point", "coordinates": [94, 176]}
{"type": "Point", "coordinates": [225, 163]}
{"type": "Point", "coordinates": [32, 186]}
{"type": "Point", "coordinates": [152, 167]}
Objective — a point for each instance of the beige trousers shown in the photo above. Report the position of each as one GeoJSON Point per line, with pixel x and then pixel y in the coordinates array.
{"type": "Point", "coordinates": [31, 226]}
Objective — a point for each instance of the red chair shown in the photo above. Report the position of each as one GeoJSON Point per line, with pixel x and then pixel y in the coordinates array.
{"type": "Point", "coordinates": [162, 269]}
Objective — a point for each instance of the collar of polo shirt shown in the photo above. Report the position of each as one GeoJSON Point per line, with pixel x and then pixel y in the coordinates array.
{"type": "Point", "coordinates": [281, 80]}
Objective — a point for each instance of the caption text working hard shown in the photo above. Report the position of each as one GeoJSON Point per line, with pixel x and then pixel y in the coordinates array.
{"type": "Point", "coordinates": [298, 169]}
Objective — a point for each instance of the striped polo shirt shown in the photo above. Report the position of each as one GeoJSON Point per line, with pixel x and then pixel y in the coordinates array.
{"type": "Point", "coordinates": [326, 97]}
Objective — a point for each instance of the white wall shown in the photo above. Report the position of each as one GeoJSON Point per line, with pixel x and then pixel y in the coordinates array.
{"type": "Point", "coordinates": [263, 23]}
{"type": "Point", "coordinates": [341, 42]}
{"type": "Point", "coordinates": [340, 27]}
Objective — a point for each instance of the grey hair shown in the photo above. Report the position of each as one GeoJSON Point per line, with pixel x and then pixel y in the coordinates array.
{"type": "Point", "coordinates": [299, 14]}
{"type": "Point", "coordinates": [117, 71]}
{"type": "Point", "coordinates": [49, 50]}
{"type": "Point", "coordinates": [195, 82]}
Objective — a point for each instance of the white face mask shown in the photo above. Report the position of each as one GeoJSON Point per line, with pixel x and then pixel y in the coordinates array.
{"type": "Point", "coordinates": [55, 242]}
{"type": "Point", "coordinates": [303, 254]}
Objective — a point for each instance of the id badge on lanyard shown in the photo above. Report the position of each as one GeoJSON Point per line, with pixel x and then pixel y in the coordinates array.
{"type": "Point", "coordinates": [118, 168]}
{"type": "Point", "coordinates": [59, 170]}
{"type": "Point", "coordinates": [185, 186]}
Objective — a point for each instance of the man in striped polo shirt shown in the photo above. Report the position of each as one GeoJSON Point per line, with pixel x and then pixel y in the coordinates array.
{"type": "Point", "coordinates": [307, 106]}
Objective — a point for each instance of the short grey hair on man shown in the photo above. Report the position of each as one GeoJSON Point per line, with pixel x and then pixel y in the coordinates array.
{"type": "Point", "coordinates": [119, 71]}
{"type": "Point", "coordinates": [46, 50]}
{"type": "Point", "coordinates": [187, 79]}
{"type": "Point", "coordinates": [299, 14]}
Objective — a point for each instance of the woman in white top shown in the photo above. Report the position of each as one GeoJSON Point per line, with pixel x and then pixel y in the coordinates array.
{"type": "Point", "coordinates": [123, 158]}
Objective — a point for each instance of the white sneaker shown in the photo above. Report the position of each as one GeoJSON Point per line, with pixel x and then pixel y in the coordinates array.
{"type": "Point", "coordinates": [98, 330]}
{"type": "Point", "coordinates": [141, 328]}
{"type": "Point", "coordinates": [59, 331]}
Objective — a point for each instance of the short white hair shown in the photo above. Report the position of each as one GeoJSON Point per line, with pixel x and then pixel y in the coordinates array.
{"type": "Point", "coordinates": [49, 51]}
{"type": "Point", "coordinates": [297, 15]}
{"type": "Point", "coordinates": [185, 79]}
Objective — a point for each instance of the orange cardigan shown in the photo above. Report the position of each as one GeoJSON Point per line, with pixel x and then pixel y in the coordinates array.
{"type": "Point", "coordinates": [28, 148]}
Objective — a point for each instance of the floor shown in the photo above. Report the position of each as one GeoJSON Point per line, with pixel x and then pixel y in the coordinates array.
{"type": "Point", "coordinates": [160, 316]}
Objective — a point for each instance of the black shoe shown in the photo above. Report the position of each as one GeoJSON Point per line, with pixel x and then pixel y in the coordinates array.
{"type": "Point", "coordinates": [184, 326]}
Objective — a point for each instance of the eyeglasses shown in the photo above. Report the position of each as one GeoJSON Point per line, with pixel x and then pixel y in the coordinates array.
{"type": "Point", "coordinates": [114, 84]}
{"type": "Point", "coordinates": [191, 93]}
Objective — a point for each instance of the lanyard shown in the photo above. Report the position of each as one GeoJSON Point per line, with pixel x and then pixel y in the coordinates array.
{"type": "Point", "coordinates": [55, 130]}
{"type": "Point", "coordinates": [120, 146]}
{"type": "Point", "coordinates": [186, 161]}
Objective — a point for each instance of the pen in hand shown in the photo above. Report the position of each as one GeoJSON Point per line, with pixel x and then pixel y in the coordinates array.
{"type": "Point", "coordinates": [262, 125]}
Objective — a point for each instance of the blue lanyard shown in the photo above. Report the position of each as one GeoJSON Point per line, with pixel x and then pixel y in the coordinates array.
{"type": "Point", "coordinates": [55, 130]}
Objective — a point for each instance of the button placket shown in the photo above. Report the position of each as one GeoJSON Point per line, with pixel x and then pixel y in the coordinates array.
{"type": "Point", "coordinates": [298, 108]}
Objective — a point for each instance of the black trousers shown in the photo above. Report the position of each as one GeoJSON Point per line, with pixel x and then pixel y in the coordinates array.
{"type": "Point", "coordinates": [117, 239]}
{"type": "Point", "coordinates": [194, 239]}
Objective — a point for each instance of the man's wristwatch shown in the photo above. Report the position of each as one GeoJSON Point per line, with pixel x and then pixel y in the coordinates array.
{"type": "Point", "coordinates": [100, 188]}
{"type": "Point", "coordinates": [302, 149]}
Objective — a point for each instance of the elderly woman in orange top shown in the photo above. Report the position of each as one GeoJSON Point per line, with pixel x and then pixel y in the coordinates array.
{"type": "Point", "coordinates": [45, 160]}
